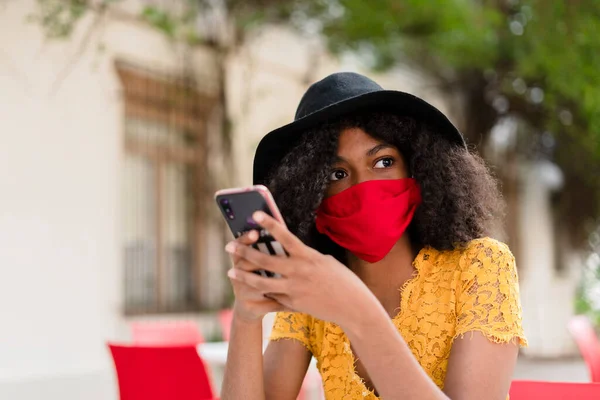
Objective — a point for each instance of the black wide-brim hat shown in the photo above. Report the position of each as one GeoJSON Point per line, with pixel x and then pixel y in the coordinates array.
{"type": "Point", "coordinates": [338, 95]}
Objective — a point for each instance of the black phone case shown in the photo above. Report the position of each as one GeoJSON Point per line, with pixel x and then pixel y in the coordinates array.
{"type": "Point", "coordinates": [243, 205]}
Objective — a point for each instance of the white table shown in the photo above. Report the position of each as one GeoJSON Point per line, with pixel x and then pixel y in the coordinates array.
{"type": "Point", "coordinates": [215, 353]}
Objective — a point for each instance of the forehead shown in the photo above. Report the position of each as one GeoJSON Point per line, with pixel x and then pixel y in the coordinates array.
{"type": "Point", "coordinates": [356, 137]}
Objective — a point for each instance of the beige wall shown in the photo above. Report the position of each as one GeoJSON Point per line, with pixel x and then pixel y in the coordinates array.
{"type": "Point", "coordinates": [60, 227]}
{"type": "Point", "coordinates": [547, 295]}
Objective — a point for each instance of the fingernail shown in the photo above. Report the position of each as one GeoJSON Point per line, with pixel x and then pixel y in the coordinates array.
{"type": "Point", "coordinates": [258, 216]}
{"type": "Point", "coordinates": [230, 248]}
{"type": "Point", "coordinates": [231, 273]}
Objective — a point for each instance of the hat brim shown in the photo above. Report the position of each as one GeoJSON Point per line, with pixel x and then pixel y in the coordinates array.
{"type": "Point", "coordinates": [276, 144]}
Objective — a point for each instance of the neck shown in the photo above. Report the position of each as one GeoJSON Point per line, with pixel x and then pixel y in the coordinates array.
{"type": "Point", "coordinates": [384, 278]}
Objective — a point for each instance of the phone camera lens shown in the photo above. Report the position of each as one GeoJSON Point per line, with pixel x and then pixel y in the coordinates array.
{"type": "Point", "coordinates": [227, 208]}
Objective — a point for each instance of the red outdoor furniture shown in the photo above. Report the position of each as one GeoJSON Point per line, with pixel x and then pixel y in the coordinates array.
{"type": "Point", "coordinates": [583, 332]}
{"type": "Point", "coordinates": [531, 390]}
{"type": "Point", "coordinates": [161, 373]}
{"type": "Point", "coordinates": [164, 333]}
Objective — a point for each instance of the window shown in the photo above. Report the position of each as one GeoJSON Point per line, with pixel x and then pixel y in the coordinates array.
{"type": "Point", "coordinates": [162, 180]}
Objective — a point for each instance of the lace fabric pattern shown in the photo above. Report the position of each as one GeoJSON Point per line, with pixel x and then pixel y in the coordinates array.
{"type": "Point", "coordinates": [453, 293]}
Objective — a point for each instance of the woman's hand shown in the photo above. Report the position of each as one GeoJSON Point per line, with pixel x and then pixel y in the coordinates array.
{"type": "Point", "coordinates": [310, 282]}
{"type": "Point", "coordinates": [250, 303]}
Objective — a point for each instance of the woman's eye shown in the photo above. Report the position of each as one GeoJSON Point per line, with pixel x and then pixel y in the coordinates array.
{"type": "Point", "coordinates": [337, 175]}
{"type": "Point", "coordinates": [384, 163]}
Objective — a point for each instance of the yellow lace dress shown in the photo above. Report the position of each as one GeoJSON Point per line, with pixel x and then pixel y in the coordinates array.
{"type": "Point", "coordinates": [474, 288]}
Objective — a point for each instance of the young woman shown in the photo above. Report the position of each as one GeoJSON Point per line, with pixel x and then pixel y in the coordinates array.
{"type": "Point", "coordinates": [392, 282]}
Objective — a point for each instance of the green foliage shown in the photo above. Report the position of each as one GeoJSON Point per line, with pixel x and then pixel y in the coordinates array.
{"type": "Point", "coordinates": [560, 51]}
{"type": "Point", "coordinates": [160, 19]}
{"type": "Point", "coordinates": [531, 44]}
{"type": "Point", "coordinates": [58, 18]}
{"type": "Point", "coordinates": [457, 32]}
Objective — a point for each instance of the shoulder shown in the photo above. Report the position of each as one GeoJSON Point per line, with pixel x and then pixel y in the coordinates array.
{"type": "Point", "coordinates": [484, 248]}
{"type": "Point", "coordinates": [488, 292]}
{"type": "Point", "coordinates": [485, 257]}
{"type": "Point", "coordinates": [294, 320]}
{"type": "Point", "coordinates": [293, 325]}
{"type": "Point", "coordinates": [469, 255]}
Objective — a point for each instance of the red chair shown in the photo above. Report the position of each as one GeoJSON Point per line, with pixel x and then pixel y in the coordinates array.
{"type": "Point", "coordinates": [529, 390]}
{"type": "Point", "coordinates": [583, 332]}
{"type": "Point", "coordinates": [225, 318]}
{"type": "Point", "coordinates": [166, 333]}
{"type": "Point", "coordinates": [161, 373]}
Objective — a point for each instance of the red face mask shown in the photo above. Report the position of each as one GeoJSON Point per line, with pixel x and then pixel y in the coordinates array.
{"type": "Point", "coordinates": [368, 219]}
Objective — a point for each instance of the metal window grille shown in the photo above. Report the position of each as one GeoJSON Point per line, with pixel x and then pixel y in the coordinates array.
{"type": "Point", "coordinates": [163, 171]}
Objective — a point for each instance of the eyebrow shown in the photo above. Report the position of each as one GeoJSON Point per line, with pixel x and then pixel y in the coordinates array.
{"type": "Point", "coordinates": [370, 153]}
{"type": "Point", "coordinates": [378, 148]}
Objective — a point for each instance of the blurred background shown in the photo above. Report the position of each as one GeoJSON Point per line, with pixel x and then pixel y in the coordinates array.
{"type": "Point", "coordinates": [120, 118]}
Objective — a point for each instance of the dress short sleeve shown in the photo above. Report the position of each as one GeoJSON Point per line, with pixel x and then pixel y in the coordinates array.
{"type": "Point", "coordinates": [293, 325]}
{"type": "Point", "coordinates": [488, 299]}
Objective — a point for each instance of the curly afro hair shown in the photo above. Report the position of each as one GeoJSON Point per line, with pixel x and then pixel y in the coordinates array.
{"type": "Point", "coordinates": [461, 200]}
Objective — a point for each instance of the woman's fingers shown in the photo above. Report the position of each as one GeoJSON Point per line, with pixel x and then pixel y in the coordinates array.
{"type": "Point", "coordinates": [282, 299]}
{"type": "Point", "coordinates": [245, 265]}
{"type": "Point", "coordinates": [267, 306]}
{"type": "Point", "coordinates": [248, 293]}
{"type": "Point", "coordinates": [263, 285]}
{"type": "Point", "coordinates": [250, 259]}
{"type": "Point", "coordinates": [288, 240]}
{"type": "Point", "coordinates": [246, 239]}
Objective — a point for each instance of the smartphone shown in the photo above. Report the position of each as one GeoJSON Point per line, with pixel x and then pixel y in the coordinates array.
{"type": "Point", "coordinates": [237, 206]}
